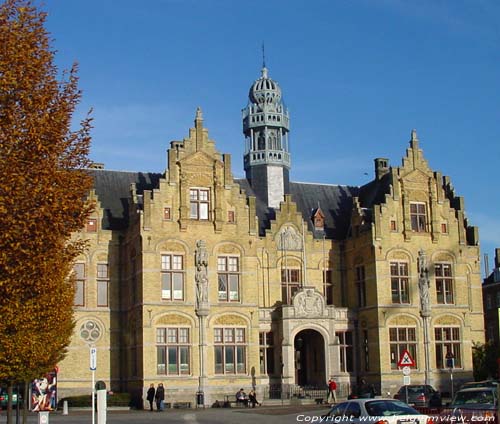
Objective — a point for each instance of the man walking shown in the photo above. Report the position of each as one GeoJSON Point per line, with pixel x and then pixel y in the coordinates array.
{"type": "Point", "coordinates": [332, 387]}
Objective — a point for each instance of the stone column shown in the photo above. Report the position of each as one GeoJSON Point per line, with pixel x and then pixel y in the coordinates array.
{"type": "Point", "coordinates": [425, 308]}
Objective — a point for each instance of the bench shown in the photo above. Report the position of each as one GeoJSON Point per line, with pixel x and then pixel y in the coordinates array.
{"type": "Point", "coordinates": [229, 401]}
{"type": "Point", "coordinates": [178, 405]}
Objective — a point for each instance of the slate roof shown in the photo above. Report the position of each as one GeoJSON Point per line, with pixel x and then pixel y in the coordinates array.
{"type": "Point", "coordinates": [113, 191]}
{"type": "Point", "coordinates": [334, 200]}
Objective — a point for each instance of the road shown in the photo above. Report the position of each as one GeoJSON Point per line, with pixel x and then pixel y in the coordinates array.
{"type": "Point", "coordinates": [273, 415]}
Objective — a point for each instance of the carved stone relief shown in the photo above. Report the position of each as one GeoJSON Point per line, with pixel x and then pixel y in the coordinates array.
{"type": "Point", "coordinates": [288, 238]}
{"type": "Point", "coordinates": [230, 320]}
{"type": "Point", "coordinates": [308, 303]}
{"type": "Point", "coordinates": [173, 319]}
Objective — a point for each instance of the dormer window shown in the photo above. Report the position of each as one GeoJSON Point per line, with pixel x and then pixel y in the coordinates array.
{"type": "Point", "coordinates": [319, 220]}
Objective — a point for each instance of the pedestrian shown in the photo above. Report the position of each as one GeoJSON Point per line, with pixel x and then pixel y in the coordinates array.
{"type": "Point", "coordinates": [160, 397]}
{"type": "Point", "coordinates": [151, 395]}
{"type": "Point", "coordinates": [252, 398]}
{"type": "Point", "coordinates": [332, 387]}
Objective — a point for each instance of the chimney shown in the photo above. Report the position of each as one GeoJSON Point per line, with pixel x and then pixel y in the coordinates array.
{"type": "Point", "coordinates": [381, 167]}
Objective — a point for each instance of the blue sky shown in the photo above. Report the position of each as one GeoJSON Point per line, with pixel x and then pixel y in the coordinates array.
{"type": "Point", "coordinates": [357, 76]}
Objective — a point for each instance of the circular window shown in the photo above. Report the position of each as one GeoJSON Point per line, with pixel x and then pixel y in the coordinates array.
{"type": "Point", "coordinates": [90, 331]}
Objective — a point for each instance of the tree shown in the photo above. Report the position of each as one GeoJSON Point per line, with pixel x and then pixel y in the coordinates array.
{"type": "Point", "coordinates": [484, 359]}
{"type": "Point", "coordinates": [42, 195]}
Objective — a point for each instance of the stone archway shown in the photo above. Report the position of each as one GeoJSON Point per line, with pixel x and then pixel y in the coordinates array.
{"type": "Point", "coordinates": [309, 350]}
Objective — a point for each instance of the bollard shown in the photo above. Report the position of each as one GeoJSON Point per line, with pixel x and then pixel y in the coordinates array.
{"type": "Point", "coordinates": [65, 407]}
{"type": "Point", "coordinates": [101, 406]}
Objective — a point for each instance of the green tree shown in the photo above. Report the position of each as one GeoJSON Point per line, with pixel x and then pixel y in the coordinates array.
{"type": "Point", "coordinates": [42, 195]}
{"type": "Point", "coordinates": [484, 359]}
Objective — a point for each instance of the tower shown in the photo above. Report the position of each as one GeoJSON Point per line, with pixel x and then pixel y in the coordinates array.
{"type": "Point", "coordinates": [267, 155]}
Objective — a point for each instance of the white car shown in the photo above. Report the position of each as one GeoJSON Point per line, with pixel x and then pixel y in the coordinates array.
{"type": "Point", "coordinates": [375, 411]}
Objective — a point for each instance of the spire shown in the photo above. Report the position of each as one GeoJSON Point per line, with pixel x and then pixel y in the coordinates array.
{"type": "Point", "coordinates": [198, 125]}
{"type": "Point", "coordinates": [414, 139]}
{"type": "Point", "coordinates": [199, 114]}
{"type": "Point", "coordinates": [263, 55]}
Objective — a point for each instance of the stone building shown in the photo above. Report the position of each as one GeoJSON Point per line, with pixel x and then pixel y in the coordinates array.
{"type": "Point", "coordinates": [491, 304]}
{"type": "Point", "coordinates": [209, 283]}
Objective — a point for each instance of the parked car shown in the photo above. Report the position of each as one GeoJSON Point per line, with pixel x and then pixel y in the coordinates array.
{"type": "Point", "coordinates": [483, 383]}
{"type": "Point", "coordinates": [419, 395]}
{"type": "Point", "coordinates": [471, 405]}
{"type": "Point", "coordinates": [4, 398]}
{"type": "Point", "coordinates": [391, 411]}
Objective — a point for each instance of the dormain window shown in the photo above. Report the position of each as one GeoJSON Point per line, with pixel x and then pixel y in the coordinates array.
{"type": "Point", "coordinates": [102, 284]}
{"type": "Point", "coordinates": [401, 339]}
{"type": "Point", "coordinates": [418, 217]}
{"type": "Point", "coordinates": [228, 278]}
{"type": "Point", "coordinates": [79, 270]}
{"type": "Point", "coordinates": [346, 353]}
{"type": "Point", "coordinates": [230, 350]}
{"type": "Point", "coordinates": [172, 277]}
{"type": "Point", "coordinates": [444, 283]}
{"type": "Point", "coordinates": [266, 352]}
{"type": "Point", "coordinates": [290, 283]}
{"type": "Point", "coordinates": [172, 351]}
{"type": "Point", "coordinates": [199, 203]}
{"type": "Point", "coordinates": [399, 282]}
{"type": "Point", "coordinates": [447, 340]}
{"type": "Point", "coordinates": [361, 286]}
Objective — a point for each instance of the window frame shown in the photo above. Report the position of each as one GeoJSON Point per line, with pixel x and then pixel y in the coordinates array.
{"type": "Point", "coordinates": [199, 203]}
{"type": "Point", "coordinates": [266, 353]}
{"type": "Point", "coordinates": [360, 273]}
{"type": "Point", "coordinates": [170, 276]}
{"type": "Point", "coordinates": [289, 285]}
{"type": "Point", "coordinates": [102, 279]}
{"type": "Point", "coordinates": [80, 283]}
{"type": "Point", "coordinates": [229, 277]}
{"type": "Point", "coordinates": [346, 355]}
{"type": "Point", "coordinates": [444, 344]}
{"type": "Point", "coordinates": [402, 281]}
{"type": "Point", "coordinates": [165, 346]}
{"type": "Point", "coordinates": [445, 294]}
{"type": "Point", "coordinates": [418, 218]}
{"type": "Point", "coordinates": [228, 341]}
{"type": "Point", "coordinates": [405, 339]}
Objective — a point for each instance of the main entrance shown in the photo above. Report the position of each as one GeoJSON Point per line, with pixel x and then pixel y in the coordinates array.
{"type": "Point", "coordinates": [309, 348]}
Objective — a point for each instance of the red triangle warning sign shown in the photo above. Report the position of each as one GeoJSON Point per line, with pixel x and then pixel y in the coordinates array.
{"type": "Point", "coordinates": [406, 360]}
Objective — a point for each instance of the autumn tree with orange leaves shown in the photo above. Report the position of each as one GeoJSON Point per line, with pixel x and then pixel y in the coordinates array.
{"type": "Point", "coordinates": [43, 184]}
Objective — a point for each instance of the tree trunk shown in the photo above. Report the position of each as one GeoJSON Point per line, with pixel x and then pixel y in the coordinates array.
{"type": "Point", "coordinates": [9, 403]}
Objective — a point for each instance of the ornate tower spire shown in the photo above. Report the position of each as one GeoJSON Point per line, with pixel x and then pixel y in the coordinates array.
{"type": "Point", "coordinates": [266, 126]}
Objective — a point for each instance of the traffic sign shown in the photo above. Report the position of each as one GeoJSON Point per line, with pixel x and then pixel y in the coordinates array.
{"type": "Point", "coordinates": [406, 370]}
{"type": "Point", "coordinates": [93, 358]}
{"type": "Point", "coordinates": [406, 380]}
{"type": "Point", "coordinates": [406, 360]}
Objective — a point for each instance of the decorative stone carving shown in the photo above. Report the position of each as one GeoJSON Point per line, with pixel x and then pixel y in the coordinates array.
{"type": "Point", "coordinates": [289, 239]}
{"type": "Point", "coordinates": [423, 282]}
{"type": "Point", "coordinates": [447, 320]}
{"type": "Point", "coordinates": [201, 277]}
{"type": "Point", "coordinates": [230, 320]}
{"type": "Point", "coordinates": [308, 303]}
{"type": "Point", "coordinates": [90, 331]}
{"type": "Point", "coordinates": [402, 320]}
{"type": "Point", "coordinates": [173, 319]}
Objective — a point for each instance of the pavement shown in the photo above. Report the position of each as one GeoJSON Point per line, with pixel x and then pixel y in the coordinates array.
{"type": "Point", "coordinates": [288, 414]}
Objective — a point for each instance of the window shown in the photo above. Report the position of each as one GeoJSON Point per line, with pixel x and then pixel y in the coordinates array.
{"type": "Point", "coordinates": [444, 283]}
{"type": "Point", "coordinates": [393, 225]}
{"type": "Point", "coordinates": [418, 217]}
{"type": "Point", "coordinates": [447, 339]}
{"type": "Point", "coordinates": [172, 351]}
{"type": "Point", "coordinates": [79, 270]}
{"type": "Point", "coordinates": [366, 347]}
{"type": "Point", "coordinates": [361, 286]}
{"type": "Point", "coordinates": [228, 278]}
{"type": "Point", "coordinates": [488, 301]}
{"type": "Point", "coordinates": [166, 214]}
{"type": "Point", "coordinates": [266, 352]}
{"type": "Point", "coordinates": [199, 203]}
{"type": "Point", "coordinates": [230, 217]}
{"type": "Point", "coordinates": [401, 339]}
{"type": "Point", "coordinates": [172, 277]}
{"type": "Point", "coordinates": [91, 225]}
{"type": "Point", "coordinates": [229, 350]}
{"type": "Point", "coordinates": [328, 286]}
{"type": "Point", "coordinates": [444, 228]}
{"type": "Point", "coordinates": [102, 284]}
{"type": "Point", "coordinates": [290, 281]}
{"type": "Point", "coordinates": [399, 282]}
{"type": "Point", "coordinates": [346, 353]}
{"type": "Point", "coordinates": [498, 299]}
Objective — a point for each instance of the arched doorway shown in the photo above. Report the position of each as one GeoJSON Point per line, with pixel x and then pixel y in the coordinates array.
{"type": "Point", "coordinates": [309, 347]}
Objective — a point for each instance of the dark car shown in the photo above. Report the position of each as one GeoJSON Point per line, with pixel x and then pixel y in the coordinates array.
{"type": "Point", "coordinates": [483, 383]}
{"type": "Point", "coordinates": [4, 398]}
{"type": "Point", "coordinates": [472, 405]}
{"type": "Point", "coordinates": [420, 395]}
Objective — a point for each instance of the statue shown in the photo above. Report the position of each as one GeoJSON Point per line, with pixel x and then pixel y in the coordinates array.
{"type": "Point", "coordinates": [201, 276]}
{"type": "Point", "coordinates": [423, 281]}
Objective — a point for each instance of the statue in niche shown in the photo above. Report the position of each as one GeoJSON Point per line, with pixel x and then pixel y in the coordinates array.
{"type": "Point", "coordinates": [423, 281]}
{"type": "Point", "coordinates": [201, 277]}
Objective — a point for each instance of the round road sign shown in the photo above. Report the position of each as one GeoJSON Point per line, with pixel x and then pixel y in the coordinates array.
{"type": "Point", "coordinates": [406, 370]}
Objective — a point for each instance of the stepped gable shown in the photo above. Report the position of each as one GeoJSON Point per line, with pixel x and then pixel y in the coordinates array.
{"type": "Point", "coordinates": [113, 191]}
{"type": "Point", "coordinates": [335, 202]}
